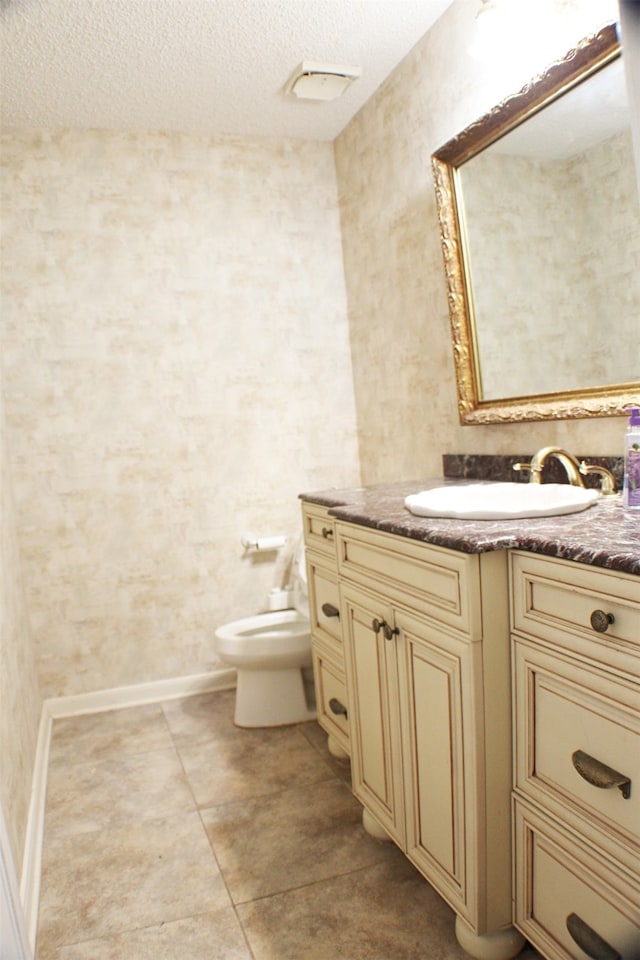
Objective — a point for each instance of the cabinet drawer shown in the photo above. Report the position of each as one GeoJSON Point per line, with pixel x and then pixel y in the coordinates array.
{"type": "Point", "coordinates": [440, 583]}
{"type": "Point", "coordinates": [324, 603]}
{"type": "Point", "coordinates": [564, 879]}
{"type": "Point", "coordinates": [551, 596]}
{"type": "Point", "coordinates": [331, 697]}
{"type": "Point", "coordinates": [319, 530]}
{"type": "Point", "coordinates": [576, 725]}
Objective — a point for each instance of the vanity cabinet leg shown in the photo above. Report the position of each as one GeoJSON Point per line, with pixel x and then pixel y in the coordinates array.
{"type": "Point", "coordinates": [500, 945]}
{"type": "Point", "coordinates": [335, 749]}
{"type": "Point", "coordinates": [373, 828]}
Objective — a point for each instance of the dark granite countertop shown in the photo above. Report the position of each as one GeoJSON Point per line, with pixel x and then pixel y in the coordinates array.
{"type": "Point", "coordinates": [603, 535]}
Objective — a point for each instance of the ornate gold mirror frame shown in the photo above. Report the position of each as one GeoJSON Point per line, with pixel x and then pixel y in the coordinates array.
{"type": "Point", "coordinates": [591, 54]}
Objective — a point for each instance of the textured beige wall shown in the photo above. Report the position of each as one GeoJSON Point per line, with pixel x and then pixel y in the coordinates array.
{"type": "Point", "coordinates": [19, 695]}
{"type": "Point", "coordinates": [402, 358]}
{"type": "Point", "coordinates": [177, 370]}
{"type": "Point", "coordinates": [177, 362]}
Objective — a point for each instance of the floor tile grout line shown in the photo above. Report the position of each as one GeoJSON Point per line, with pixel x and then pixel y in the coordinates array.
{"type": "Point", "coordinates": [199, 811]}
{"type": "Point", "coordinates": [330, 775]}
{"type": "Point", "coordinates": [134, 929]}
{"type": "Point", "coordinates": [330, 772]}
{"type": "Point", "coordinates": [173, 919]}
{"type": "Point", "coordinates": [67, 830]}
{"type": "Point", "coordinates": [305, 886]}
{"type": "Point", "coordinates": [160, 816]}
{"type": "Point", "coordinates": [234, 906]}
{"type": "Point", "coordinates": [182, 767]}
{"type": "Point", "coordinates": [54, 761]}
{"type": "Point", "coordinates": [211, 806]}
{"type": "Point", "coordinates": [272, 793]}
{"type": "Point", "coordinates": [95, 761]}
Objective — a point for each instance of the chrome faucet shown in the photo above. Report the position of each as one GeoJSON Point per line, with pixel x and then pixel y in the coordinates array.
{"type": "Point", "coordinates": [567, 460]}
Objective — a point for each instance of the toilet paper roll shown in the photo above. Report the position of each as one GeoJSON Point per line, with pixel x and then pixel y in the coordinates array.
{"type": "Point", "coordinates": [270, 543]}
{"type": "Point", "coordinates": [251, 542]}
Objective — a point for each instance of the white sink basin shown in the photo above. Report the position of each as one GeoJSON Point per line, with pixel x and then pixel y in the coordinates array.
{"type": "Point", "coordinates": [501, 501]}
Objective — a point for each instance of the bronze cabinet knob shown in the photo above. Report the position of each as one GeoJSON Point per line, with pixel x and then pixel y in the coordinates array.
{"type": "Point", "coordinates": [600, 621]}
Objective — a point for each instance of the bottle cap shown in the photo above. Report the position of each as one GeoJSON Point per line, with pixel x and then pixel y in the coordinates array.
{"type": "Point", "coordinates": [634, 419]}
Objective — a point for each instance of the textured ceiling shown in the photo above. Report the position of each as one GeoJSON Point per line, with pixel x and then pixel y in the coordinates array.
{"type": "Point", "coordinates": [199, 66]}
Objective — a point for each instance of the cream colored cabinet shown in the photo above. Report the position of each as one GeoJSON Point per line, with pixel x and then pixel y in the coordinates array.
{"type": "Point", "coordinates": [427, 665]}
{"type": "Point", "coordinates": [576, 698]}
{"type": "Point", "coordinates": [372, 669]}
{"type": "Point", "coordinates": [412, 685]}
{"type": "Point", "coordinates": [326, 627]}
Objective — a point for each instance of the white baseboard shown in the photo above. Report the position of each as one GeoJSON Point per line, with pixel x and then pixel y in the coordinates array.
{"type": "Point", "coordinates": [14, 942]}
{"type": "Point", "coordinates": [136, 695]}
{"type": "Point", "coordinates": [97, 701]}
{"type": "Point", "coordinates": [32, 856]}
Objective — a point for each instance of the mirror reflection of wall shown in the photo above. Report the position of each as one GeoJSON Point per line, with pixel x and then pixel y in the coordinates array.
{"type": "Point", "coordinates": [569, 267]}
{"type": "Point", "coordinates": [629, 11]}
{"type": "Point", "coordinates": [552, 231]}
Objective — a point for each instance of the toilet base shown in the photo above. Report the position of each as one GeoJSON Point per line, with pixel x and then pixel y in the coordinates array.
{"type": "Point", "coordinates": [271, 698]}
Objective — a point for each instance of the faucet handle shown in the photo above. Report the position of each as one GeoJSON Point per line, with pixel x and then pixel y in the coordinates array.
{"type": "Point", "coordinates": [608, 481]}
{"type": "Point", "coordinates": [534, 475]}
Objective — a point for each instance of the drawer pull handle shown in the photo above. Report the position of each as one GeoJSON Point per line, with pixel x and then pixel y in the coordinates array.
{"type": "Point", "coordinates": [601, 621]}
{"type": "Point", "coordinates": [377, 625]}
{"type": "Point", "coordinates": [599, 774]}
{"type": "Point", "coordinates": [330, 611]}
{"type": "Point", "coordinates": [589, 941]}
{"type": "Point", "coordinates": [327, 533]}
{"type": "Point", "coordinates": [338, 708]}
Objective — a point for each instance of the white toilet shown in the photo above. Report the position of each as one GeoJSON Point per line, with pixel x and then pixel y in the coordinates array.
{"type": "Point", "coordinates": [272, 655]}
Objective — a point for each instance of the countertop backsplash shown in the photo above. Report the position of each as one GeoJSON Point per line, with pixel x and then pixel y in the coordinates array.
{"type": "Point", "coordinates": [473, 466]}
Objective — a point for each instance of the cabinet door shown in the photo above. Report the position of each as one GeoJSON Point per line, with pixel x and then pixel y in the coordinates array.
{"type": "Point", "coordinates": [436, 677]}
{"type": "Point", "coordinates": [372, 682]}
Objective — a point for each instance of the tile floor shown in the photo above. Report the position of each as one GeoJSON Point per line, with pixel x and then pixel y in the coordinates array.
{"type": "Point", "coordinates": [171, 834]}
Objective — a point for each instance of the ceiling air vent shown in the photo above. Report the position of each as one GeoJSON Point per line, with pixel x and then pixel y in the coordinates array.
{"type": "Point", "coordinates": [321, 81]}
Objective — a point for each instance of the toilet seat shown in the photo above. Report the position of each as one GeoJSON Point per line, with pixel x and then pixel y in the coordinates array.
{"type": "Point", "coordinates": [281, 638]}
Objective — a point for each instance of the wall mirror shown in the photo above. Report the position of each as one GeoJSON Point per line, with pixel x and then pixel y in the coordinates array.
{"type": "Point", "coordinates": [540, 226]}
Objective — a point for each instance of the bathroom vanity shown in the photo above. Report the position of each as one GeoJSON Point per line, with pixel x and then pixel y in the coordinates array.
{"type": "Point", "coordinates": [576, 694]}
{"type": "Point", "coordinates": [456, 663]}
